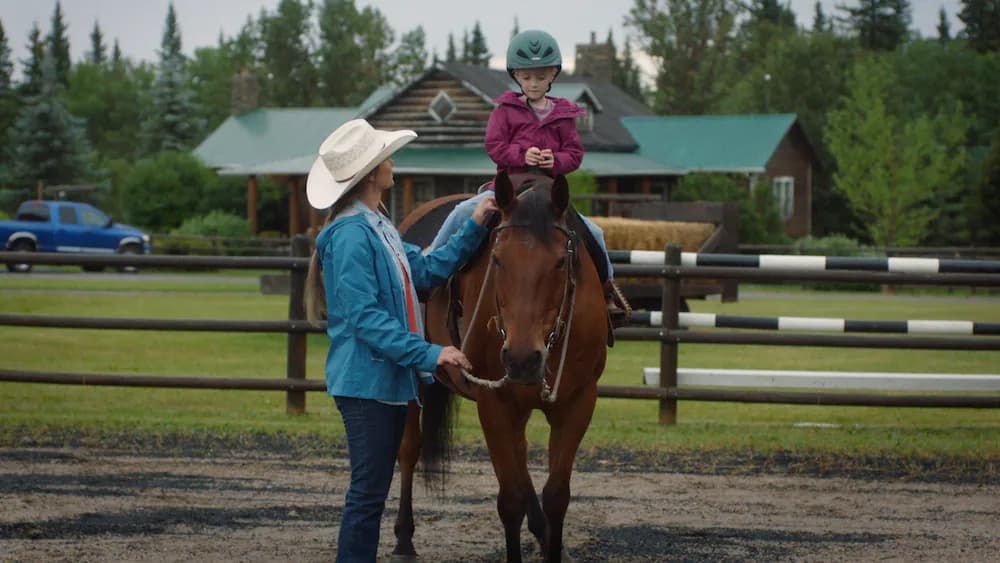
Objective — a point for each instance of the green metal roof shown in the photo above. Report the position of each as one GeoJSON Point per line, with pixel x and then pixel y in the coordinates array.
{"type": "Point", "coordinates": [710, 143]}
{"type": "Point", "coordinates": [269, 135]}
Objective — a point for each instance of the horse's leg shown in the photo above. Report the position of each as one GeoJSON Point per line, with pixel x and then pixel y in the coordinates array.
{"type": "Point", "coordinates": [568, 423]}
{"type": "Point", "coordinates": [409, 453]}
{"type": "Point", "coordinates": [503, 428]}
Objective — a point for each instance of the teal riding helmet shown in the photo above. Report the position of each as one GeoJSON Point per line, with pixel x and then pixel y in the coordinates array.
{"type": "Point", "coordinates": [533, 48]}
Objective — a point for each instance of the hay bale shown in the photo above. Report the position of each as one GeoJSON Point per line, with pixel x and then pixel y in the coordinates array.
{"type": "Point", "coordinates": [635, 234]}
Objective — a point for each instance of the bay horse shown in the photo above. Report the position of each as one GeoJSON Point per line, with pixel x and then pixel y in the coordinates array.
{"type": "Point", "coordinates": [535, 328]}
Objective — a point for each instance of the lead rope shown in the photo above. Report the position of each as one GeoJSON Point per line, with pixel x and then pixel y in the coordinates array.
{"type": "Point", "coordinates": [488, 383]}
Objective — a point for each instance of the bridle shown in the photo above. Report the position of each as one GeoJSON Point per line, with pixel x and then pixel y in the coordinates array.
{"type": "Point", "coordinates": [561, 327]}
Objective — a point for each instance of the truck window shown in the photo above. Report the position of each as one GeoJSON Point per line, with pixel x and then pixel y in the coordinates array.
{"type": "Point", "coordinates": [92, 217]}
{"type": "Point", "coordinates": [67, 215]}
{"type": "Point", "coordinates": [33, 212]}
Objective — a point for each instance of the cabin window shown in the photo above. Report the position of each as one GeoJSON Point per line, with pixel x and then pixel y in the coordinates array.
{"type": "Point", "coordinates": [67, 215]}
{"type": "Point", "coordinates": [442, 107]}
{"type": "Point", "coordinates": [586, 121]}
{"type": "Point", "coordinates": [783, 188]}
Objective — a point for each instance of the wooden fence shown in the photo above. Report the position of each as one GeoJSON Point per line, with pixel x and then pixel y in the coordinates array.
{"type": "Point", "coordinates": [666, 265]}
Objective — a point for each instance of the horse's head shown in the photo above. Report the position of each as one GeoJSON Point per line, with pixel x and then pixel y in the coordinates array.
{"type": "Point", "coordinates": [534, 268]}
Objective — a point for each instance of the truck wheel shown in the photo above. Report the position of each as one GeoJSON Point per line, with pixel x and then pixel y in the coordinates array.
{"type": "Point", "coordinates": [20, 246]}
{"type": "Point", "coordinates": [129, 249]}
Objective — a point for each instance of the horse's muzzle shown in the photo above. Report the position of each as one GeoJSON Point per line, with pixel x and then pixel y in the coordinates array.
{"type": "Point", "coordinates": [526, 369]}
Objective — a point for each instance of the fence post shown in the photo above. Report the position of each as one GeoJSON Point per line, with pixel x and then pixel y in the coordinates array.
{"type": "Point", "coordinates": [295, 401]}
{"type": "Point", "coordinates": [668, 346]}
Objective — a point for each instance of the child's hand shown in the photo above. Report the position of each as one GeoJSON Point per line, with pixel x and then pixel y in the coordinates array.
{"type": "Point", "coordinates": [533, 156]}
{"type": "Point", "coordinates": [547, 160]}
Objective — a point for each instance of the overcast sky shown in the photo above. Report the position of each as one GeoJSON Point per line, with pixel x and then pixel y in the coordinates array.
{"type": "Point", "coordinates": [138, 24]}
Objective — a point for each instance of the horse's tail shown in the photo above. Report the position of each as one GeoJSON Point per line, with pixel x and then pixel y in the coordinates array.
{"type": "Point", "coordinates": [439, 417]}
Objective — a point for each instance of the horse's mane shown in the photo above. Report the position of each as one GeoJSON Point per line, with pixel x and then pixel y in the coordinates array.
{"type": "Point", "coordinates": [534, 212]}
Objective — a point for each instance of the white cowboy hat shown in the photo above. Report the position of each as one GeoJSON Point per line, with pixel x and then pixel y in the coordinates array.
{"type": "Point", "coordinates": [346, 156]}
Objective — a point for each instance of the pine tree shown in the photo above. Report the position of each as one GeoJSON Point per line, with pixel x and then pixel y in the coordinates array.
{"type": "Point", "coordinates": [479, 53]}
{"type": "Point", "coordinates": [31, 85]}
{"type": "Point", "coordinates": [989, 197]}
{"type": "Point", "coordinates": [631, 77]}
{"type": "Point", "coordinates": [881, 25]}
{"type": "Point", "coordinates": [8, 99]}
{"type": "Point", "coordinates": [98, 51]}
{"type": "Point", "coordinates": [982, 24]}
{"type": "Point", "coordinates": [116, 56]}
{"type": "Point", "coordinates": [517, 28]}
{"type": "Point", "coordinates": [773, 12]}
{"type": "Point", "coordinates": [450, 55]}
{"type": "Point", "coordinates": [171, 125]}
{"type": "Point", "coordinates": [47, 143]}
{"type": "Point", "coordinates": [58, 45]}
{"type": "Point", "coordinates": [466, 48]}
{"type": "Point", "coordinates": [820, 23]}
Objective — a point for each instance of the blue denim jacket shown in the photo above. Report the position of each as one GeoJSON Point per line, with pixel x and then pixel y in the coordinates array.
{"type": "Point", "coordinates": [373, 355]}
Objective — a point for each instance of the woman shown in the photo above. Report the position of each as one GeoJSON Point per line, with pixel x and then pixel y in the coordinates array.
{"type": "Point", "coordinates": [368, 293]}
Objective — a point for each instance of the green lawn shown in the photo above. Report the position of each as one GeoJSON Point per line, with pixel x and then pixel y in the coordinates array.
{"type": "Point", "coordinates": [617, 422]}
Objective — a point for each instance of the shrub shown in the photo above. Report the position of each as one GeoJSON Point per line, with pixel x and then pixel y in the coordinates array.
{"type": "Point", "coordinates": [836, 245]}
{"type": "Point", "coordinates": [161, 192]}
{"type": "Point", "coordinates": [582, 182]}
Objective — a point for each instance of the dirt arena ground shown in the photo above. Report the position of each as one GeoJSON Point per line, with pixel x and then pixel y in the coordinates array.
{"type": "Point", "coordinates": [86, 503]}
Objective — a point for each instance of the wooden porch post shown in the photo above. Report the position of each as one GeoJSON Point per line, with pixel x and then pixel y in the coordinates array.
{"type": "Point", "coordinates": [644, 185]}
{"type": "Point", "coordinates": [252, 203]}
{"type": "Point", "coordinates": [294, 212]}
{"type": "Point", "coordinates": [407, 195]}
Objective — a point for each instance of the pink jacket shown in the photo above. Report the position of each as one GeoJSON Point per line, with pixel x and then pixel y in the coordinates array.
{"type": "Point", "coordinates": [513, 129]}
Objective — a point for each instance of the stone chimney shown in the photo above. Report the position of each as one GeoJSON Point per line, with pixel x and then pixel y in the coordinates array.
{"type": "Point", "coordinates": [246, 93]}
{"type": "Point", "coordinates": [595, 60]}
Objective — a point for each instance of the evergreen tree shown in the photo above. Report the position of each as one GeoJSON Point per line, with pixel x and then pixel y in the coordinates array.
{"type": "Point", "coordinates": [479, 53]}
{"type": "Point", "coordinates": [989, 197]}
{"type": "Point", "coordinates": [982, 24]}
{"type": "Point", "coordinates": [820, 23]}
{"type": "Point", "coordinates": [771, 11]}
{"type": "Point", "coordinates": [98, 51]}
{"type": "Point", "coordinates": [881, 25]}
{"type": "Point", "coordinates": [8, 99]}
{"type": "Point", "coordinates": [291, 76]}
{"type": "Point", "coordinates": [171, 124]}
{"type": "Point", "coordinates": [58, 45]}
{"type": "Point", "coordinates": [450, 55]}
{"type": "Point", "coordinates": [466, 47]}
{"type": "Point", "coordinates": [517, 28]}
{"type": "Point", "coordinates": [116, 55]}
{"type": "Point", "coordinates": [32, 83]}
{"type": "Point", "coordinates": [410, 58]}
{"type": "Point", "coordinates": [47, 143]}
{"type": "Point", "coordinates": [630, 78]}
{"type": "Point", "coordinates": [245, 48]}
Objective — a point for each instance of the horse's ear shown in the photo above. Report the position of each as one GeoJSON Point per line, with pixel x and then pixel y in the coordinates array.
{"type": "Point", "coordinates": [560, 195]}
{"type": "Point", "coordinates": [504, 192]}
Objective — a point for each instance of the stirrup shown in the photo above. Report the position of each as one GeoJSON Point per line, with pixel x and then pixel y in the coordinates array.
{"type": "Point", "coordinates": [619, 310]}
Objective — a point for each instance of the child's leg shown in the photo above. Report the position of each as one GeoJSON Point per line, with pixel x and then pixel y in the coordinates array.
{"type": "Point", "coordinates": [599, 237]}
{"type": "Point", "coordinates": [457, 218]}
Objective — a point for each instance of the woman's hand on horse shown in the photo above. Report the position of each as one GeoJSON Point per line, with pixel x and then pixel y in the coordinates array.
{"type": "Point", "coordinates": [486, 206]}
{"type": "Point", "coordinates": [451, 356]}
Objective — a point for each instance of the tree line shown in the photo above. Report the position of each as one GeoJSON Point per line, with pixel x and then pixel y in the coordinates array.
{"type": "Point", "coordinates": [906, 127]}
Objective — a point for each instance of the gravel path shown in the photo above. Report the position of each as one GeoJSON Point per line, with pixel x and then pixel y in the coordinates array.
{"type": "Point", "coordinates": [86, 504]}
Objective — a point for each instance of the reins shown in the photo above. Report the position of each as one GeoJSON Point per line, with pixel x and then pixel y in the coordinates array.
{"type": "Point", "coordinates": [549, 393]}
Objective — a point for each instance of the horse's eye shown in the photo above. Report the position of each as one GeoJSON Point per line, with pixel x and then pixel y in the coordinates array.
{"type": "Point", "coordinates": [561, 264]}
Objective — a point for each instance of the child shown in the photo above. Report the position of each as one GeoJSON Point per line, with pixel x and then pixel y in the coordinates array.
{"type": "Point", "coordinates": [530, 130]}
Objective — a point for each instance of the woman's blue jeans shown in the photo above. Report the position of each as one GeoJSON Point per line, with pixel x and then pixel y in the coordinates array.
{"type": "Point", "coordinates": [374, 432]}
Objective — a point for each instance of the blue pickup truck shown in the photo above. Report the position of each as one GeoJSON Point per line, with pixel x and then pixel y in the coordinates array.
{"type": "Point", "coordinates": [65, 226]}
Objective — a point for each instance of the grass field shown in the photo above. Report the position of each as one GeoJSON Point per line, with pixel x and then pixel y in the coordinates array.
{"type": "Point", "coordinates": [968, 433]}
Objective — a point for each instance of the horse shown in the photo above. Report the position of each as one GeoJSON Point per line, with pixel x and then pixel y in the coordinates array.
{"type": "Point", "coordinates": [536, 332]}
